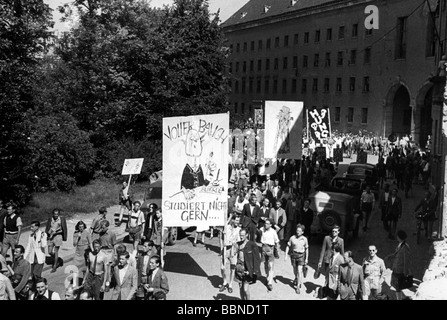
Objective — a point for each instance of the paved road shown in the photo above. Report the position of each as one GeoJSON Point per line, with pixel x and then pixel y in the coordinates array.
{"type": "Point", "coordinates": [194, 272]}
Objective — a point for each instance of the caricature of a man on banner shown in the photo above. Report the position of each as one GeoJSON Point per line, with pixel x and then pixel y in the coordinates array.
{"type": "Point", "coordinates": [195, 170]}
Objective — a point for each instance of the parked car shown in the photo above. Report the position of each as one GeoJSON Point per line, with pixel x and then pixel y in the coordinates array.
{"type": "Point", "coordinates": [334, 208]}
{"type": "Point", "coordinates": [351, 186]}
{"type": "Point", "coordinates": [365, 172]}
{"type": "Point", "coordinates": [153, 195]}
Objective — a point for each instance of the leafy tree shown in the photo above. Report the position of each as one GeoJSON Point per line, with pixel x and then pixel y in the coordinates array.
{"type": "Point", "coordinates": [24, 35]}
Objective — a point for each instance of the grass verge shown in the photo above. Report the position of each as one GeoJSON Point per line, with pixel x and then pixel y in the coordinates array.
{"type": "Point", "coordinates": [85, 199]}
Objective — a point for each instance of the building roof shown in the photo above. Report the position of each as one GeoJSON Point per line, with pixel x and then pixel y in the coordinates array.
{"type": "Point", "coordinates": [260, 9]}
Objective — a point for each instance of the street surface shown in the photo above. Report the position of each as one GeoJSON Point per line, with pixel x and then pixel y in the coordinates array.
{"type": "Point", "coordinates": [194, 272]}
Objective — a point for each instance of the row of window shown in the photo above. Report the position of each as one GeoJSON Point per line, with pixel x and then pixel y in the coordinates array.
{"type": "Point", "coordinates": [240, 110]}
{"type": "Point", "coordinates": [293, 89]}
{"type": "Point", "coordinates": [342, 32]}
{"type": "Point", "coordinates": [305, 61]}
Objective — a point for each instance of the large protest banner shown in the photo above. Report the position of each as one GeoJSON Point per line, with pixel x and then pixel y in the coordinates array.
{"type": "Point", "coordinates": [319, 125]}
{"type": "Point", "coordinates": [283, 129]}
{"type": "Point", "coordinates": [195, 170]}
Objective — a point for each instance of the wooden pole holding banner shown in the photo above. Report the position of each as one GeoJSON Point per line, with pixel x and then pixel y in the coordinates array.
{"type": "Point", "coordinates": [162, 250]}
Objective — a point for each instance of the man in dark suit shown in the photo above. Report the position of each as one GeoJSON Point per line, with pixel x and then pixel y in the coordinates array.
{"type": "Point", "coordinates": [327, 250]}
{"type": "Point", "coordinates": [157, 286]}
{"type": "Point", "coordinates": [351, 285]}
{"type": "Point", "coordinates": [250, 216]}
{"type": "Point", "coordinates": [394, 212]}
{"type": "Point", "coordinates": [307, 173]}
{"type": "Point", "coordinates": [143, 266]}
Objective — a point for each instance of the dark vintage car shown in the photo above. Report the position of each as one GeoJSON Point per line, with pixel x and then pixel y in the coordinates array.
{"type": "Point", "coordinates": [351, 186]}
{"type": "Point", "coordinates": [365, 172]}
{"type": "Point", "coordinates": [334, 208]}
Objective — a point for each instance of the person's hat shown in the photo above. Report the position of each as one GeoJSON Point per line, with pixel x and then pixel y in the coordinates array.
{"type": "Point", "coordinates": [102, 210]}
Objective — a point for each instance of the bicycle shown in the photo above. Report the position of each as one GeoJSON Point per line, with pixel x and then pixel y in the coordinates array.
{"type": "Point", "coordinates": [420, 219]}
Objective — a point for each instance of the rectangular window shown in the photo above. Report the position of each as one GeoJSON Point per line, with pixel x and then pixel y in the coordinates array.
{"type": "Point", "coordinates": [244, 66]}
{"type": "Point", "coordinates": [364, 115]}
{"type": "Point", "coordinates": [277, 42]}
{"type": "Point", "coordinates": [275, 85]}
{"type": "Point", "coordinates": [252, 46]}
{"type": "Point", "coordinates": [258, 85]}
{"type": "Point", "coordinates": [243, 85]}
{"type": "Point", "coordinates": [401, 38]}
{"type": "Point", "coordinates": [304, 61]}
{"type": "Point", "coordinates": [284, 63]}
{"type": "Point", "coordinates": [286, 41]}
{"type": "Point", "coordinates": [284, 86]}
{"type": "Point", "coordinates": [352, 84]}
{"type": "Point", "coordinates": [365, 84]}
{"type": "Point", "coordinates": [368, 32]}
{"type": "Point", "coordinates": [242, 108]}
{"type": "Point", "coordinates": [235, 108]}
{"type": "Point", "coordinates": [341, 33]}
{"type": "Point", "coordinates": [293, 85]}
{"type": "Point", "coordinates": [327, 60]}
{"type": "Point", "coordinates": [430, 46]}
{"type": "Point", "coordinates": [315, 85]}
{"type": "Point", "coordinates": [259, 65]}
{"type": "Point", "coordinates": [303, 86]}
{"type": "Point", "coordinates": [316, 59]}
{"type": "Point", "coordinates": [350, 115]}
{"type": "Point", "coordinates": [238, 47]}
{"type": "Point", "coordinates": [337, 114]}
{"type": "Point", "coordinates": [245, 46]}
{"type": "Point", "coordinates": [326, 85]}
{"type": "Point", "coordinates": [295, 39]}
{"type": "Point", "coordinates": [295, 62]}
{"type": "Point", "coordinates": [355, 30]}
{"type": "Point", "coordinates": [230, 67]}
{"type": "Point", "coordinates": [259, 45]}
{"type": "Point", "coordinates": [338, 85]}
{"type": "Point", "coordinates": [267, 64]}
{"type": "Point", "coordinates": [317, 35]}
{"type": "Point", "coordinates": [268, 43]}
{"type": "Point", "coordinates": [236, 86]}
{"type": "Point", "coordinates": [306, 37]}
{"type": "Point", "coordinates": [231, 48]}
{"type": "Point", "coordinates": [275, 64]}
{"type": "Point", "coordinates": [252, 65]}
{"type": "Point", "coordinates": [367, 56]}
{"type": "Point", "coordinates": [329, 34]}
{"type": "Point", "coordinates": [237, 66]}
{"type": "Point", "coordinates": [339, 58]}
{"type": "Point", "coordinates": [250, 85]}
{"type": "Point", "coordinates": [266, 85]}
{"type": "Point", "coordinates": [353, 57]}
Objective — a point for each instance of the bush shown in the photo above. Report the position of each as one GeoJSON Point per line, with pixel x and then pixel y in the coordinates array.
{"type": "Point", "coordinates": [110, 157]}
{"type": "Point", "coordinates": [59, 153]}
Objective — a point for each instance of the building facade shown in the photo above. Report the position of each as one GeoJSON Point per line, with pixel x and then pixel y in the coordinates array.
{"type": "Point", "coordinates": [321, 53]}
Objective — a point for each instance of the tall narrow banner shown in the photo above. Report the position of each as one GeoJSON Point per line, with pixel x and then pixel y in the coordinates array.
{"type": "Point", "coordinates": [319, 125]}
{"type": "Point", "coordinates": [195, 170]}
{"type": "Point", "coordinates": [283, 129]}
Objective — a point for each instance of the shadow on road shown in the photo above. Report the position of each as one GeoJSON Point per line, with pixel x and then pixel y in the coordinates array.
{"type": "Point", "coordinates": [283, 280]}
{"type": "Point", "coordinates": [310, 286]}
{"type": "Point", "coordinates": [222, 296]}
{"type": "Point", "coordinates": [216, 281]}
{"type": "Point", "coordinates": [179, 262]}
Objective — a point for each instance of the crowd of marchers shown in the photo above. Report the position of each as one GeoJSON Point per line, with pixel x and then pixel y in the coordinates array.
{"type": "Point", "coordinates": [269, 216]}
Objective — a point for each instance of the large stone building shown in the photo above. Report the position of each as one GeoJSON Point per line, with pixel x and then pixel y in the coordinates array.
{"type": "Point", "coordinates": [321, 53]}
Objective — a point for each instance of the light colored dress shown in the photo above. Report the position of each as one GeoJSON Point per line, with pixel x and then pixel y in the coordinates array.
{"type": "Point", "coordinates": [81, 242]}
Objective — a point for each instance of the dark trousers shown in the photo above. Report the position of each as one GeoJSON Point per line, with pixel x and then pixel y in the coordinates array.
{"type": "Point", "coordinates": [289, 229]}
{"type": "Point", "coordinates": [36, 270]}
{"type": "Point", "coordinates": [93, 282]}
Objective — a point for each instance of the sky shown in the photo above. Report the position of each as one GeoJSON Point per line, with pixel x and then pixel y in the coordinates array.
{"type": "Point", "coordinates": [227, 8]}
